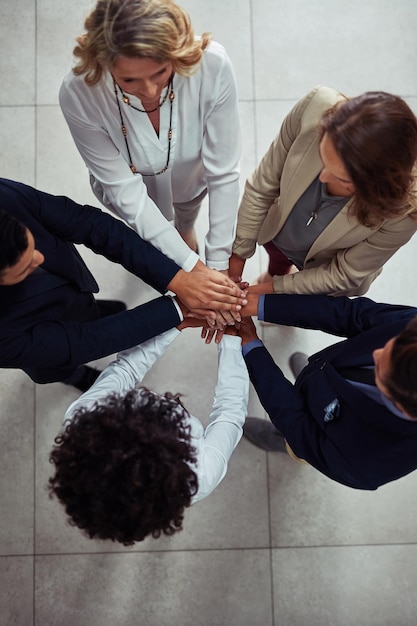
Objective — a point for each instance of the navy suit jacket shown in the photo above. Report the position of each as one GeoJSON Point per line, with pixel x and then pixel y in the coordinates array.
{"type": "Point", "coordinates": [360, 443]}
{"type": "Point", "coordinates": [39, 332]}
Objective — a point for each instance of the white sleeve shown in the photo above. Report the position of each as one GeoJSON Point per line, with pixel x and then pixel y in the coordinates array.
{"type": "Point", "coordinates": [221, 153]}
{"type": "Point", "coordinates": [112, 181]}
{"type": "Point", "coordinates": [126, 371]}
{"type": "Point", "coordinates": [227, 416]}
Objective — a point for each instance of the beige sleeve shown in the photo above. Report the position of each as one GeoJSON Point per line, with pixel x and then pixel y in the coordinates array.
{"type": "Point", "coordinates": [262, 188]}
{"type": "Point", "coordinates": [350, 271]}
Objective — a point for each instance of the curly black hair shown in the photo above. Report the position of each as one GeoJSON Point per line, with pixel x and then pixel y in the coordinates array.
{"type": "Point", "coordinates": [122, 467]}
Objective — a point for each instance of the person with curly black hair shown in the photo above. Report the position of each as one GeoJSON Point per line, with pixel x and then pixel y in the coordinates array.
{"type": "Point", "coordinates": [129, 461]}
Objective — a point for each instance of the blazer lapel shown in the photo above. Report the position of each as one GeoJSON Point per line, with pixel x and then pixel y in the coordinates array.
{"type": "Point", "coordinates": [302, 166]}
{"type": "Point", "coordinates": [300, 170]}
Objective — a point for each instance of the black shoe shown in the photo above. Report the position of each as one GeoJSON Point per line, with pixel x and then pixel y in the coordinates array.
{"type": "Point", "coordinates": [263, 434]}
{"type": "Point", "coordinates": [298, 361]}
{"type": "Point", "coordinates": [83, 377]}
{"type": "Point", "coordinates": [110, 307]}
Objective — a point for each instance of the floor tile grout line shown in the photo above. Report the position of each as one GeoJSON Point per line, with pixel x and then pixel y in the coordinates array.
{"type": "Point", "coordinates": [219, 549]}
{"type": "Point", "coordinates": [253, 79]}
{"type": "Point", "coordinates": [255, 139]}
{"type": "Point", "coordinates": [35, 173]}
{"type": "Point", "coordinates": [271, 569]}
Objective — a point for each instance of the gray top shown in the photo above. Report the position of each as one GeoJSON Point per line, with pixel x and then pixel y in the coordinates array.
{"type": "Point", "coordinates": [311, 214]}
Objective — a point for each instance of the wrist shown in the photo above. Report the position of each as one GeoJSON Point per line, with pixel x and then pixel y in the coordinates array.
{"type": "Point", "coordinates": [248, 339]}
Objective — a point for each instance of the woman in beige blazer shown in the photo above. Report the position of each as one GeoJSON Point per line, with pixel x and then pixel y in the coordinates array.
{"type": "Point", "coordinates": [361, 154]}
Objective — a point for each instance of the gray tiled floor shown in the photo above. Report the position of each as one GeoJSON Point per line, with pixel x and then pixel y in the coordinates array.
{"type": "Point", "coordinates": [277, 543]}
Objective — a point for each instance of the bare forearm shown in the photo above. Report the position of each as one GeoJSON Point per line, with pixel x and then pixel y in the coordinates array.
{"type": "Point", "coordinates": [236, 265]}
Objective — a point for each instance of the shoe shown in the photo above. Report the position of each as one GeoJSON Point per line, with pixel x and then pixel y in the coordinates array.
{"type": "Point", "coordinates": [110, 307]}
{"type": "Point", "coordinates": [262, 433]}
{"type": "Point", "coordinates": [83, 378]}
{"type": "Point", "coordinates": [298, 361]}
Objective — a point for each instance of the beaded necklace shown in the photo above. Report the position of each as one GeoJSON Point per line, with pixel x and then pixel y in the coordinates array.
{"type": "Point", "coordinates": [168, 94]}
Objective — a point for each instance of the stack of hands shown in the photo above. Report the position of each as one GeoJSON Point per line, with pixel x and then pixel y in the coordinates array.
{"type": "Point", "coordinates": [215, 302]}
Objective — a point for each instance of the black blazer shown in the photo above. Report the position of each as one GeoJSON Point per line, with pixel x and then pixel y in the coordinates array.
{"type": "Point", "coordinates": [326, 420]}
{"type": "Point", "coordinates": [45, 333]}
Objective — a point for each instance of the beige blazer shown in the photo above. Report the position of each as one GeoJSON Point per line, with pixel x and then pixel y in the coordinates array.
{"type": "Point", "coordinates": [347, 256]}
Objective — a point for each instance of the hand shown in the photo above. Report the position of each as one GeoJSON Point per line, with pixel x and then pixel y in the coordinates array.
{"type": "Point", "coordinates": [251, 308]}
{"type": "Point", "coordinates": [247, 330]}
{"type": "Point", "coordinates": [192, 322]}
{"type": "Point", "coordinates": [226, 320]}
{"type": "Point", "coordinates": [205, 290]}
{"type": "Point", "coordinates": [208, 334]}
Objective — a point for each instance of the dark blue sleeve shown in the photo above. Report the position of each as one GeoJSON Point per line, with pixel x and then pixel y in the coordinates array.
{"type": "Point", "coordinates": [67, 344]}
{"type": "Point", "coordinates": [341, 316]}
{"type": "Point", "coordinates": [91, 227]}
{"type": "Point", "coordinates": [288, 411]}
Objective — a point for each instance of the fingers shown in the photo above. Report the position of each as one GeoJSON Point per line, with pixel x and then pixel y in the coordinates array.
{"type": "Point", "coordinates": [220, 283]}
{"type": "Point", "coordinates": [208, 334]}
{"type": "Point", "coordinates": [223, 318]}
{"type": "Point", "coordinates": [242, 284]}
{"type": "Point", "coordinates": [207, 315]}
{"type": "Point", "coordinates": [230, 288]}
{"type": "Point", "coordinates": [224, 306]}
{"type": "Point", "coordinates": [236, 317]}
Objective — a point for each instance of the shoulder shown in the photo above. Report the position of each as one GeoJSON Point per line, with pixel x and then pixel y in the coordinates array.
{"type": "Point", "coordinates": [324, 96]}
{"type": "Point", "coordinates": [215, 58]}
{"type": "Point", "coordinates": [316, 102]}
{"type": "Point", "coordinates": [14, 194]}
{"type": "Point", "coordinates": [69, 83]}
{"type": "Point", "coordinates": [75, 94]}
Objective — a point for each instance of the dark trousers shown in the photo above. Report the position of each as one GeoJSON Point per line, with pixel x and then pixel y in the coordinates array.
{"type": "Point", "coordinates": [279, 264]}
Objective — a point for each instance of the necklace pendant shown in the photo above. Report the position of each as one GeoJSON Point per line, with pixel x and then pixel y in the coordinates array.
{"type": "Point", "coordinates": [133, 168]}
{"type": "Point", "coordinates": [126, 100]}
{"type": "Point", "coordinates": [171, 96]}
{"type": "Point", "coordinates": [312, 217]}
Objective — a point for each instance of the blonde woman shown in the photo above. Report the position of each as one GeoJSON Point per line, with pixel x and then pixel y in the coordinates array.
{"type": "Point", "coordinates": [153, 111]}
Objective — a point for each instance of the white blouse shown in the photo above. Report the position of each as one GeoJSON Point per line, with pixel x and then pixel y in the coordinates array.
{"type": "Point", "coordinates": [215, 443]}
{"type": "Point", "coordinates": [205, 151]}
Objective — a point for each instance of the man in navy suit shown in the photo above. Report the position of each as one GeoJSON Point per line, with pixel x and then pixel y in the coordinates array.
{"type": "Point", "coordinates": [50, 322]}
{"type": "Point", "coordinates": [360, 434]}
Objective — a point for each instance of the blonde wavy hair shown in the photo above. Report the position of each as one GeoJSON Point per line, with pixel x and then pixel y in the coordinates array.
{"type": "Point", "coordinates": [156, 29]}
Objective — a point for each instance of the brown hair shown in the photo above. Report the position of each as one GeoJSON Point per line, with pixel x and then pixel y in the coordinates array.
{"type": "Point", "coordinates": [402, 382]}
{"type": "Point", "coordinates": [375, 135]}
{"type": "Point", "coordinates": [156, 29]}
